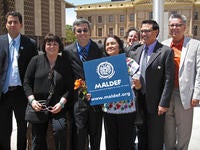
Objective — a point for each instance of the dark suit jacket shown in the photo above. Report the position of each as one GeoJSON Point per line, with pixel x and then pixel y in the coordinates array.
{"type": "Point", "coordinates": [80, 108]}
{"type": "Point", "coordinates": [159, 77]}
{"type": "Point", "coordinates": [27, 50]}
{"type": "Point", "coordinates": [132, 48]}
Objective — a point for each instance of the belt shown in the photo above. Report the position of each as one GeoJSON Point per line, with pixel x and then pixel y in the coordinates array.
{"type": "Point", "coordinates": [12, 88]}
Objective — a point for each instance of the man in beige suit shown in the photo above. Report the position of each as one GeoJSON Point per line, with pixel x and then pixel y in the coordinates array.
{"type": "Point", "coordinates": [186, 94]}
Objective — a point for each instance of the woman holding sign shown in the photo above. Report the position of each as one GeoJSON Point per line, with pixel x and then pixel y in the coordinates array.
{"type": "Point", "coordinates": [119, 116]}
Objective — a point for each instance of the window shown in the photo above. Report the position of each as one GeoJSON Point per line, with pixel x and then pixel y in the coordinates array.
{"type": "Point", "coordinates": [150, 15]}
{"type": "Point", "coordinates": [110, 32]}
{"type": "Point", "coordinates": [196, 15]}
{"type": "Point", "coordinates": [122, 18]}
{"type": "Point", "coordinates": [110, 18]}
{"type": "Point", "coordinates": [90, 19]}
{"type": "Point", "coordinates": [100, 31]}
{"type": "Point", "coordinates": [174, 12]}
{"type": "Point", "coordinates": [195, 30]}
{"type": "Point", "coordinates": [121, 31]}
{"type": "Point", "coordinates": [99, 19]}
{"type": "Point", "coordinates": [132, 17]}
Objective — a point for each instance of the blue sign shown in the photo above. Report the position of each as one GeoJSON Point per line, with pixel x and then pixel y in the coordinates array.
{"type": "Point", "coordinates": [107, 79]}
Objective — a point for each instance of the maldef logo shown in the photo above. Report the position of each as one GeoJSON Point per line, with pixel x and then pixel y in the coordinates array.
{"type": "Point", "coordinates": [105, 70]}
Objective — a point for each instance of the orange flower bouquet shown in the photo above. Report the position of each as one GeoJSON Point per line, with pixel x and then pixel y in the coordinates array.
{"type": "Point", "coordinates": [80, 85]}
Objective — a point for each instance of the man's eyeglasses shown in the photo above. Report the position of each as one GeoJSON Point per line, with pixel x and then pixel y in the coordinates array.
{"type": "Point", "coordinates": [146, 31]}
{"type": "Point", "coordinates": [80, 31]}
{"type": "Point", "coordinates": [175, 25]}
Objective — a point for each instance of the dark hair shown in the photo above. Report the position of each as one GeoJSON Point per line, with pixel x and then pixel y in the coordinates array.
{"type": "Point", "coordinates": [119, 41]}
{"type": "Point", "coordinates": [129, 30]}
{"type": "Point", "coordinates": [14, 14]}
{"type": "Point", "coordinates": [50, 37]}
{"type": "Point", "coordinates": [80, 21]}
{"type": "Point", "coordinates": [154, 24]}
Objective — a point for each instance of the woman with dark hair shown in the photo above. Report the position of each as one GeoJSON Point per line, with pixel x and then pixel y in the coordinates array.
{"type": "Point", "coordinates": [49, 78]}
{"type": "Point", "coordinates": [119, 116]}
{"type": "Point", "coordinates": [132, 35]}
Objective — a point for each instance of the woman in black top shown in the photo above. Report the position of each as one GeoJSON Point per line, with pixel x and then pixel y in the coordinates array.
{"type": "Point", "coordinates": [48, 77]}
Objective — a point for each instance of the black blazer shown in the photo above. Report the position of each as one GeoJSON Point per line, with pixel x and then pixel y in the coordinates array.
{"type": "Point", "coordinates": [159, 77]}
{"type": "Point", "coordinates": [37, 83]}
{"type": "Point", "coordinates": [77, 66]}
{"type": "Point", "coordinates": [27, 50]}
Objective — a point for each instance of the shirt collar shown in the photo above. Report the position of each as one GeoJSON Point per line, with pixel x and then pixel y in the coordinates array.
{"type": "Point", "coordinates": [17, 39]}
{"type": "Point", "coordinates": [80, 47]}
{"type": "Point", "coordinates": [151, 47]}
{"type": "Point", "coordinates": [177, 45]}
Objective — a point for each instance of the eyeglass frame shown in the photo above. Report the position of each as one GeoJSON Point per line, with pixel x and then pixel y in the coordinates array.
{"type": "Point", "coordinates": [146, 30]}
{"type": "Point", "coordinates": [175, 25]}
{"type": "Point", "coordinates": [80, 30]}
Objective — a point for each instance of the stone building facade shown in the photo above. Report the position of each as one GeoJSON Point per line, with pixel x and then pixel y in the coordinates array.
{"type": "Point", "coordinates": [39, 16]}
{"type": "Point", "coordinates": [116, 17]}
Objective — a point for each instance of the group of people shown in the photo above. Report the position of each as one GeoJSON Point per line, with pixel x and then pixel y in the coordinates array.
{"type": "Point", "coordinates": [166, 91]}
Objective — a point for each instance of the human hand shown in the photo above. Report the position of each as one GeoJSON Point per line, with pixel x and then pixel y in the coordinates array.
{"type": "Point", "coordinates": [88, 96]}
{"type": "Point", "coordinates": [194, 102]}
{"type": "Point", "coordinates": [162, 110]}
{"type": "Point", "coordinates": [137, 84]}
{"type": "Point", "coordinates": [55, 109]}
{"type": "Point", "coordinates": [36, 105]}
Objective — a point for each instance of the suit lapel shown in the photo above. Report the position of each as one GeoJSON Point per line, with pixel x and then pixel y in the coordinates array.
{"type": "Point", "coordinates": [75, 53]}
{"type": "Point", "coordinates": [184, 51]}
{"type": "Point", "coordinates": [21, 46]}
{"type": "Point", "coordinates": [138, 54]}
{"type": "Point", "coordinates": [90, 52]}
{"type": "Point", "coordinates": [5, 46]}
{"type": "Point", "coordinates": [154, 55]}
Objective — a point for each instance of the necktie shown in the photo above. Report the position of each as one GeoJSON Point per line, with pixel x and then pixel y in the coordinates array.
{"type": "Point", "coordinates": [144, 62]}
{"type": "Point", "coordinates": [84, 54]}
{"type": "Point", "coordinates": [11, 55]}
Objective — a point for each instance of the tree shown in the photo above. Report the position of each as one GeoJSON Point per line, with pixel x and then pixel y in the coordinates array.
{"type": "Point", "coordinates": [70, 38]}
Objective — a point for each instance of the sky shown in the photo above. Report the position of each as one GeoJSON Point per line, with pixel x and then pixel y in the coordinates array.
{"type": "Point", "coordinates": [71, 14]}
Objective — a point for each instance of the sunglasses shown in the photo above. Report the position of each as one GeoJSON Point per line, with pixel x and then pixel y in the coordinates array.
{"type": "Point", "coordinates": [80, 31]}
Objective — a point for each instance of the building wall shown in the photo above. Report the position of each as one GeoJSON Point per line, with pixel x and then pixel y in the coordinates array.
{"type": "Point", "coordinates": [29, 23]}
{"type": "Point", "coordinates": [58, 24]}
{"type": "Point", "coordinates": [133, 13]}
{"type": "Point", "coordinates": [45, 17]}
{"type": "Point", "coordinates": [39, 16]}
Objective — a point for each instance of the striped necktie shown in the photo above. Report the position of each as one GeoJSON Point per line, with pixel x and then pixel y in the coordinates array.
{"type": "Point", "coordinates": [144, 62]}
{"type": "Point", "coordinates": [84, 54]}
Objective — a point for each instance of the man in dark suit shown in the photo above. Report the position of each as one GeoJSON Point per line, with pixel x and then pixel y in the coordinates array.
{"type": "Point", "coordinates": [88, 119]}
{"type": "Point", "coordinates": [157, 71]}
{"type": "Point", "coordinates": [16, 50]}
